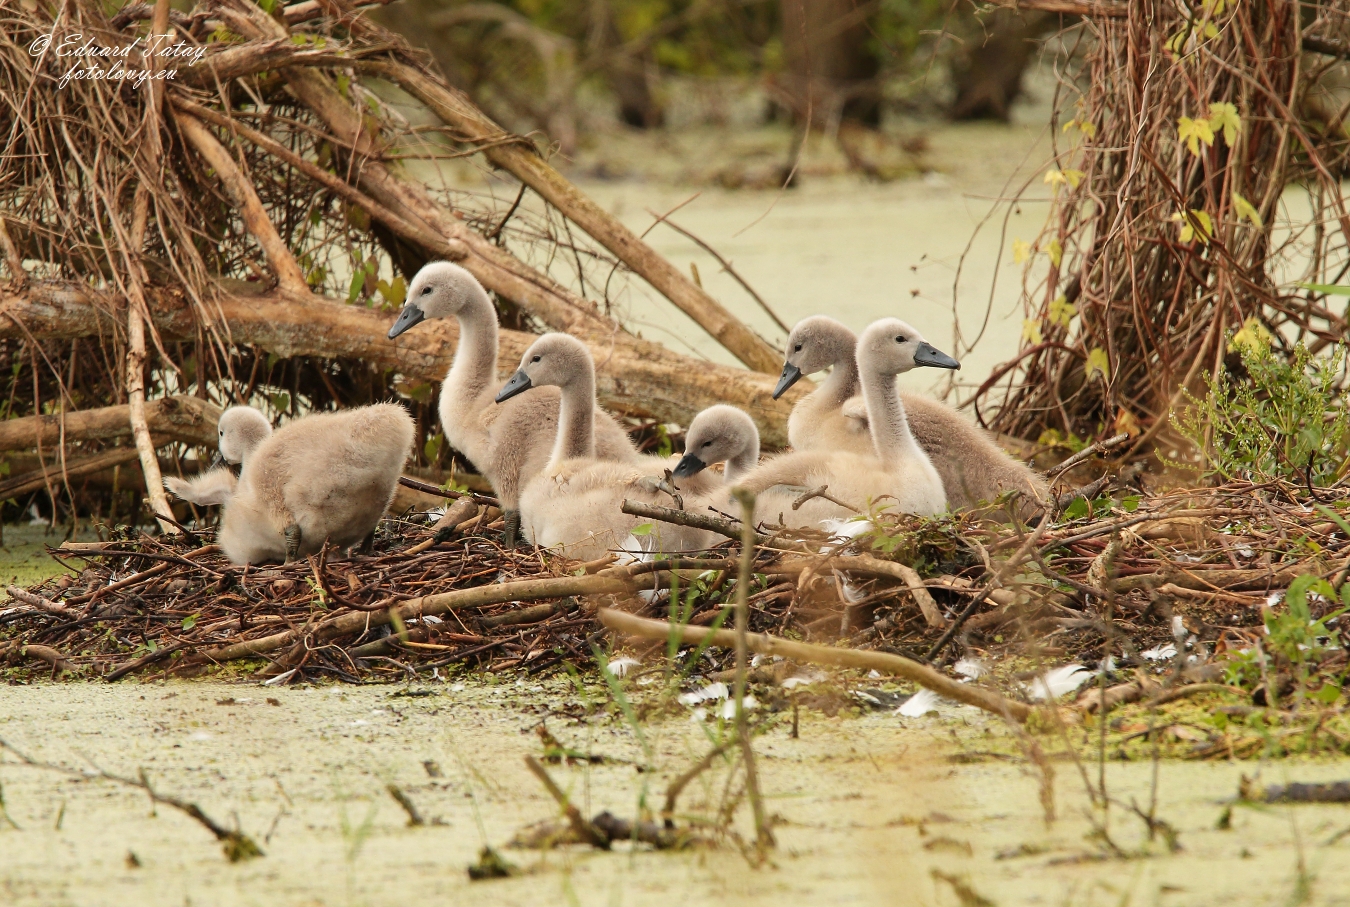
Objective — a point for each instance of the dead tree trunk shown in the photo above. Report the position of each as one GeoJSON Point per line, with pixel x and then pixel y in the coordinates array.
{"type": "Point", "coordinates": [988, 70]}
{"type": "Point", "coordinates": [832, 72]}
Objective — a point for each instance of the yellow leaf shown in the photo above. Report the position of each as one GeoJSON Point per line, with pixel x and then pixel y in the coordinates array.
{"type": "Point", "coordinates": [1193, 132]}
{"type": "Point", "coordinates": [1031, 330]}
{"type": "Point", "coordinates": [1055, 178]}
{"type": "Point", "coordinates": [1252, 336]}
{"type": "Point", "coordinates": [1021, 250]}
{"type": "Point", "coordinates": [1074, 177]}
{"type": "Point", "coordinates": [1194, 225]}
{"type": "Point", "coordinates": [1097, 362]}
{"type": "Point", "coordinates": [1062, 311]}
{"type": "Point", "coordinates": [1088, 129]}
{"type": "Point", "coordinates": [1223, 117]}
{"type": "Point", "coordinates": [1055, 251]}
{"type": "Point", "coordinates": [1211, 30]}
{"type": "Point", "coordinates": [1246, 209]}
{"type": "Point", "coordinates": [1175, 44]}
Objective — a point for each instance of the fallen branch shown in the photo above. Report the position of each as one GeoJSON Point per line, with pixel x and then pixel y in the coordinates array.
{"type": "Point", "coordinates": [896, 665]}
{"type": "Point", "coordinates": [433, 605]}
{"type": "Point", "coordinates": [1086, 453]}
{"type": "Point", "coordinates": [633, 376]}
{"type": "Point", "coordinates": [49, 655]}
{"type": "Point", "coordinates": [178, 418]}
{"type": "Point", "coordinates": [520, 159]}
{"type": "Point", "coordinates": [58, 473]}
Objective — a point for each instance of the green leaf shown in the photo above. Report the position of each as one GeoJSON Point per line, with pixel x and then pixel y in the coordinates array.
{"type": "Point", "coordinates": [344, 84]}
{"type": "Point", "coordinates": [189, 622]}
{"type": "Point", "coordinates": [1098, 362]}
{"type": "Point", "coordinates": [1062, 311]}
{"type": "Point", "coordinates": [1129, 503]}
{"type": "Point", "coordinates": [642, 529]}
{"type": "Point", "coordinates": [281, 401]}
{"type": "Point", "coordinates": [1329, 289]}
{"type": "Point", "coordinates": [1193, 132]}
{"type": "Point", "coordinates": [1195, 224]}
{"type": "Point", "coordinates": [1246, 209]}
{"type": "Point", "coordinates": [432, 448]}
{"type": "Point", "coordinates": [1327, 694]}
{"type": "Point", "coordinates": [1077, 509]}
{"type": "Point", "coordinates": [1223, 118]}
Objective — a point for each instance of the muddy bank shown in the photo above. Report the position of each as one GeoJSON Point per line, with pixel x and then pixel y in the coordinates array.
{"type": "Point", "coordinates": [870, 807]}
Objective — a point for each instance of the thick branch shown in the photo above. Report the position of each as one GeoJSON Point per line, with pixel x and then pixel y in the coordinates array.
{"type": "Point", "coordinates": [180, 418]}
{"type": "Point", "coordinates": [633, 376]}
{"type": "Point", "coordinates": [242, 194]}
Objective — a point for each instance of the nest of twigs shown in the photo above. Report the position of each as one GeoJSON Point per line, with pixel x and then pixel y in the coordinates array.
{"type": "Point", "coordinates": [1116, 576]}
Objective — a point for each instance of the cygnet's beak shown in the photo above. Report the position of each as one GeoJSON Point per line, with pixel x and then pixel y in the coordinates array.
{"type": "Point", "coordinates": [410, 316]}
{"type": "Point", "coordinates": [930, 356]}
{"type": "Point", "coordinates": [519, 383]}
{"type": "Point", "coordinates": [789, 377]}
{"type": "Point", "coordinates": [689, 465]}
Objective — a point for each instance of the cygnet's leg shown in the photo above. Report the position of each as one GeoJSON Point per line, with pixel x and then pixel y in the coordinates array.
{"type": "Point", "coordinates": [367, 544]}
{"type": "Point", "coordinates": [292, 534]}
{"type": "Point", "coordinates": [511, 531]}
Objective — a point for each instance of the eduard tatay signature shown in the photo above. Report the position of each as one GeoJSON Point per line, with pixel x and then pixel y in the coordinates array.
{"type": "Point", "coordinates": [92, 60]}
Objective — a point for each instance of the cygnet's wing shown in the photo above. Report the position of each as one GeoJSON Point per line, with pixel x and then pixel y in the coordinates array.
{"type": "Point", "coordinates": [212, 487]}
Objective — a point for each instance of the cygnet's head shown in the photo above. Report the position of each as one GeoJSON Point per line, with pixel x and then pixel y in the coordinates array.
{"type": "Point", "coordinates": [815, 344]}
{"type": "Point", "coordinates": [240, 430]}
{"type": "Point", "coordinates": [891, 347]}
{"type": "Point", "coordinates": [553, 359]}
{"type": "Point", "coordinates": [719, 434]}
{"type": "Point", "coordinates": [440, 290]}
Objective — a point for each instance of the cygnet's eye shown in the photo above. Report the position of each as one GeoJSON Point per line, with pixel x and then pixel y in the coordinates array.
{"type": "Point", "coordinates": [536, 358]}
{"type": "Point", "coordinates": [706, 444]}
{"type": "Point", "coordinates": [426, 290]}
{"type": "Point", "coordinates": [901, 339]}
{"type": "Point", "coordinates": [797, 348]}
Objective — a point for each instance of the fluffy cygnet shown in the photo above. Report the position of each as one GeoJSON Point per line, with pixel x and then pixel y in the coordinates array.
{"type": "Point", "coordinates": [327, 477]}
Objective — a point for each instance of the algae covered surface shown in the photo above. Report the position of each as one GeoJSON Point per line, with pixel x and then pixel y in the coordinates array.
{"type": "Point", "coordinates": [875, 809]}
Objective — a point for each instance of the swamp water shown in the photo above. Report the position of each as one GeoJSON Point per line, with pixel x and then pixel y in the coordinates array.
{"type": "Point", "coordinates": [872, 809]}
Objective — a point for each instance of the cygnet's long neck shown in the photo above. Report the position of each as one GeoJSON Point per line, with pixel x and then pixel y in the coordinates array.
{"type": "Point", "coordinates": [843, 380]}
{"type": "Point", "coordinates": [743, 462]}
{"type": "Point", "coordinates": [474, 371]}
{"type": "Point", "coordinates": [891, 437]}
{"type": "Point", "coordinates": [576, 417]}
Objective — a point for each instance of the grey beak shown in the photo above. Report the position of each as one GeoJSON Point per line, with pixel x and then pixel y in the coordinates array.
{"type": "Point", "coordinates": [789, 377]}
{"type": "Point", "coordinates": [217, 460]}
{"type": "Point", "coordinates": [930, 356]}
{"type": "Point", "coordinates": [410, 316]}
{"type": "Point", "coordinates": [689, 465]}
{"type": "Point", "coordinates": [519, 383]}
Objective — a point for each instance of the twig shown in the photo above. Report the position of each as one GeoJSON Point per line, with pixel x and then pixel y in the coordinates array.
{"type": "Point", "coordinates": [584, 830]}
{"type": "Point", "coordinates": [763, 833]}
{"type": "Point", "coordinates": [403, 800]}
{"type": "Point", "coordinates": [438, 491]}
{"type": "Point", "coordinates": [994, 582]}
{"type": "Point", "coordinates": [882, 662]}
{"type": "Point", "coordinates": [237, 845]}
{"type": "Point", "coordinates": [821, 493]}
{"type": "Point", "coordinates": [692, 520]}
{"type": "Point", "coordinates": [679, 784]}
{"type": "Point", "coordinates": [875, 567]}
{"type": "Point", "coordinates": [1086, 452]}
{"type": "Point", "coordinates": [726, 266]}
